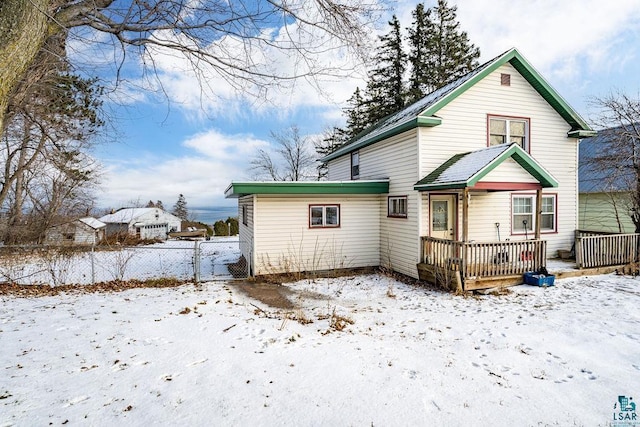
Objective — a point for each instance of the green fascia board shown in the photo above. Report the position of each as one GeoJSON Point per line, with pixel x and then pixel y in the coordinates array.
{"type": "Point", "coordinates": [441, 186]}
{"type": "Point", "coordinates": [514, 151]}
{"type": "Point", "coordinates": [531, 75]}
{"type": "Point", "coordinates": [239, 189]}
{"type": "Point", "coordinates": [403, 127]}
{"type": "Point", "coordinates": [582, 133]}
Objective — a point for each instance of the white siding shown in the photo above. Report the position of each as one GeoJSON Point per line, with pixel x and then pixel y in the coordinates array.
{"type": "Point", "coordinates": [464, 128]}
{"type": "Point", "coordinates": [284, 242]}
{"type": "Point", "coordinates": [397, 159]}
{"type": "Point", "coordinates": [509, 171]}
{"type": "Point", "coordinates": [245, 231]}
{"type": "Point", "coordinates": [340, 169]}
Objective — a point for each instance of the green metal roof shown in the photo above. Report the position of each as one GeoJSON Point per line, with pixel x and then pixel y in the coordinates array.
{"type": "Point", "coordinates": [239, 189]}
{"type": "Point", "coordinates": [467, 169]}
{"type": "Point", "coordinates": [422, 113]}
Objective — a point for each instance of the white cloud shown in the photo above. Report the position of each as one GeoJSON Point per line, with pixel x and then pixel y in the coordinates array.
{"type": "Point", "coordinates": [202, 175]}
{"type": "Point", "coordinates": [559, 38]}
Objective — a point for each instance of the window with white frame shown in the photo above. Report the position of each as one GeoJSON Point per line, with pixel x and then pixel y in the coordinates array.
{"type": "Point", "coordinates": [504, 130]}
{"type": "Point", "coordinates": [321, 216]}
{"type": "Point", "coordinates": [355, 165]}
{"type": "Point", "coordinates": [397, 206]}
{"type": "Point", "coordinates": [523, 213]}
{"type": "Point", "coordinates": [245, 215]}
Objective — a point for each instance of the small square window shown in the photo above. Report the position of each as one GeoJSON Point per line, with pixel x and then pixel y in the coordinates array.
{"type": "Point", "coordinates": [508, 131]}
{"type": "Point", "coordinates": [397, 207]}
{"type": "Point", "coordinates": [321, 216]}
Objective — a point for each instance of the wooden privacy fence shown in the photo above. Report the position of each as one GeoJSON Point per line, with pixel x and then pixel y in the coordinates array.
{"type": "Point", "coordinates": [484, 259]}
{"type": "Point", "coordinates": [595, 249]}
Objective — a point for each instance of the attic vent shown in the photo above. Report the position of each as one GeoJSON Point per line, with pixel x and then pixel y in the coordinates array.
{"type": "Point", "coordinates": [505, 79]}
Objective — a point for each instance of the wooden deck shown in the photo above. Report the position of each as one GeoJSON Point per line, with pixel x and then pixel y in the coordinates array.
{"type": "Point", "coordinates": [479, 265]}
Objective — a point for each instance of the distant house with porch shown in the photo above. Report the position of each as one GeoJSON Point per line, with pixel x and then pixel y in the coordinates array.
{"type": "Point", "coordinates": [474, 184]}
{"type": "Point", "coordinates": [81, 231]}
{"type": "Point", "coordinates": [144, 223]}
{"type": "Point", "coordinates": [605, 199]}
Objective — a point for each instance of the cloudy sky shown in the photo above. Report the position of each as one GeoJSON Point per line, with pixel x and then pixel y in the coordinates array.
{"type": "Point", "coordinates": [197, 145]}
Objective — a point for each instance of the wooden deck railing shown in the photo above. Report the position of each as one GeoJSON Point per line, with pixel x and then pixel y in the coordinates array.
{"type": "Point", "coordinates": [485, 259]}
{"type": "Point", "coordinates": [596, 249]}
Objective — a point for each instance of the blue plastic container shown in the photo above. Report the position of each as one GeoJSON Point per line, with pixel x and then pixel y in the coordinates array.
{"type": "Point", "coordinates": [537, 279]}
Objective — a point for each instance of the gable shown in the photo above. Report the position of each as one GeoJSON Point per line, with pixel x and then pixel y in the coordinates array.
{"type": "Point", "coordinates": [470, 170]}
{"type": "Point", "coordinates": [424, 112]}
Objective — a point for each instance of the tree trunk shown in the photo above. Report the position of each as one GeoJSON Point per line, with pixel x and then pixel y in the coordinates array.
{"type": "Point", "coordinates": [23, 30]}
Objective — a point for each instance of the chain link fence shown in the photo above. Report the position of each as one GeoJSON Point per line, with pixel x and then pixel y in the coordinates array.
{"type": "Point", "coordinates": [198, 261]}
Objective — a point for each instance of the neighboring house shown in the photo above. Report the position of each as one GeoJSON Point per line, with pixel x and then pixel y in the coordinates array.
{"type": "Point", "coordinates": [433, 188]}
{"type": "Point", "coordinates": [604, 189]}
{"type": "Point", "coordinates": [144, 223]}
{"type": "Point", "coordinates": [82, 231]}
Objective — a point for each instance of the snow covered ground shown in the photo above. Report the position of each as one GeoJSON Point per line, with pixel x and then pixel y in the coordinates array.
{"type": "Point", "coordinates": [210, 355]}
{"type": "Point", "coordinates": [171, 258]}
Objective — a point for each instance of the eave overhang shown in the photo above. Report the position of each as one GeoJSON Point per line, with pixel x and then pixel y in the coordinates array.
{"type": "Point", "coordinates": [359, 187]}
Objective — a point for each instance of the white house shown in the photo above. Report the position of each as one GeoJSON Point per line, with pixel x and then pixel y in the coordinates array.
{"type": "Point", "coordinates": [476, 183]}
{"type": "Point", "coordinates": [144, 223]}
{"type": "Point", "coordinates": [82, 231]}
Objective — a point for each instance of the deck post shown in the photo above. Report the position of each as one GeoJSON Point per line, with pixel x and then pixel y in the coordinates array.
{"type": "Point", "coordinates": [465, 214]}
{"type": "Point", "coordinates": [538, 212]}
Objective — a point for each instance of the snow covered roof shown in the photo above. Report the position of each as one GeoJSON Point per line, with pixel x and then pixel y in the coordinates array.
{"type": "Point", "coordinates": [92, 222]}
{"type": "Point", "coordinates": [423, 112]}
{"type": "Point", "coordinates": [467, 169]}
{"type": "Point", "coordinates": [126, 215]}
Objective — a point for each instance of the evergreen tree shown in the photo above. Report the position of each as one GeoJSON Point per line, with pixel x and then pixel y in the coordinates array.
{"type": "Point", "coordinates": [150, 204]}
{"type": "Point", "coordinates": [331, 139]}
{"type": "Point", "coordinates": [418, 47]}
{"type": "Point", "coordinates": [180, 208]}
{"type": "Point", "coordinates": [356, 115]}
{"type": "Point", "coordinates": [159, 205]}
{"type": "Point", "coordinates": [385, 89]}
{"type": "Point", "coordinates": [448, 52]}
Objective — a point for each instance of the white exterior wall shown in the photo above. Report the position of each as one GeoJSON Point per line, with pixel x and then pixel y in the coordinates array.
{"type": "Point", "coordinates": [464, 128]}
{"type": "Point", "coordinates": [155, 223]}
{"type": "Point", "coordinates": [246, 230]}
{"type": "Point", "coordinates": [284, 242]}
{"type": "Point", "coordinates": [82, 234]}
{"type": "Point", "coordinates": [396, 159]}
{"type": "Point", "coordinates": [340, 169]}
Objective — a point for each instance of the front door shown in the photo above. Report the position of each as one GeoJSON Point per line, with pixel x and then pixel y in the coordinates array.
{"type": "Point", "coordinates": [442, 210]}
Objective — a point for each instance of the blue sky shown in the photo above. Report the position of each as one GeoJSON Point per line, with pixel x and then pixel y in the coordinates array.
{"type": "Point", "coordinates": [196, 145]}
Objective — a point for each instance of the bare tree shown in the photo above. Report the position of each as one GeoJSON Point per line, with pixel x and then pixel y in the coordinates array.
{"type": "Point", "coordinates": [617, 160]}
{"type": "Point", "coordinates": [295, 159]}
{"type": "Point", "coordinates": [232, 40]}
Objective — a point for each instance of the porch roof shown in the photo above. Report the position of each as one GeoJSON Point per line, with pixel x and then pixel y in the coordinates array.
{"type": "Point", "coordinates": [239, 189]}
{"type": "Point", "coordinates": [465, 170]}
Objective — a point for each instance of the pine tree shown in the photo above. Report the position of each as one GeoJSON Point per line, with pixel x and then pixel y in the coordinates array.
{"type": "Point", "coordinates": [180, 208]}
{"type": "Point", "coordinates": [418, 47]}
{"type": "Point", "coordinates": [385, 89]}
{"type": "Point", "coordinates": [449, 53]}
{"type": "Point", "coordinates": [356, 114]}
{"type": "Point", "coordinates": [150, 204]}
{"type": "Point", "coordinates": [331, 139]}
{"type": "Point", "coordinates": [159, 205]}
